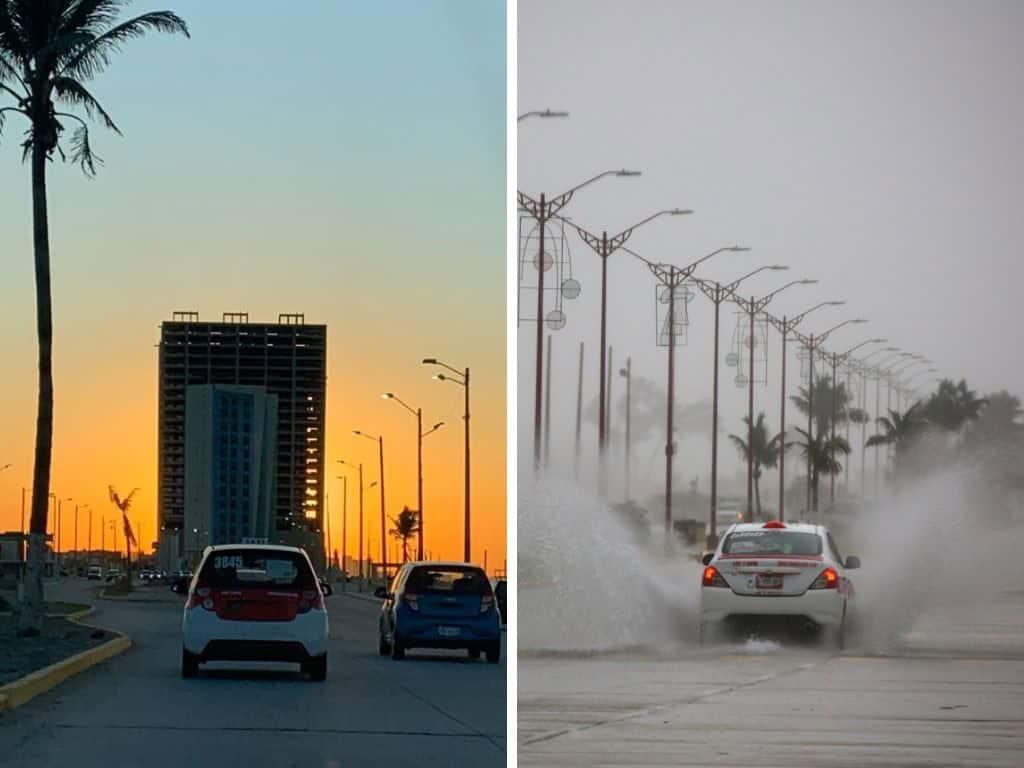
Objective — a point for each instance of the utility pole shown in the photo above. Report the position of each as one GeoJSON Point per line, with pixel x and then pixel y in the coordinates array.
{"type": "Point", "coordinates": [547, 407]}
{"type": "Point", "coordinates": [579, 413]}
{"type": "Point", "coordinates": [628, 373]}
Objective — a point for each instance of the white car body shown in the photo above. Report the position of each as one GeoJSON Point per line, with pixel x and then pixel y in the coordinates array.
{"type": "Point", "coordinates": [208, 635]}
{"type": "Point", "coordinates": [754, 578]}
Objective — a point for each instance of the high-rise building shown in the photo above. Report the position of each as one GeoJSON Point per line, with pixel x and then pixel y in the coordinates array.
{"type": "Point", "coordinates": [288, 359]}
{"type": "Point", "coordinates": [230, 465]}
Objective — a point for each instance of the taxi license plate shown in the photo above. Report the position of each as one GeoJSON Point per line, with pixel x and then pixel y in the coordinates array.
{"type": "Point", "coordinates": [449, 631]}
{"type": "Point", "coordinates": [768, 581]}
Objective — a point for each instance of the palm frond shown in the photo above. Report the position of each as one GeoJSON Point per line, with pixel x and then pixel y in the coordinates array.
{"type": "Point", "coordinates": [94, 57]}
{"type": "Point", "coordinates": [81, 152]}
{"type": "Point", "coordinates": [74, 93]}
{"type": "Point", "coordinates": [877, 440]}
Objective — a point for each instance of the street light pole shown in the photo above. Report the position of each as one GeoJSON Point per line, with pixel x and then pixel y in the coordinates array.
{"type": "Point", "coordinates": [542, 210]}
{"type": "Point", "coordinates": [785, 327]}
{"type": "Point", "coordinates": [811, 343]}
{"type": "Point", "coordinates": [462, 379]}
{"type": "Point", "coordinates": [627, 373]}
{"type": "Point", "coordinates": [604, 246]}
{"type": "Point", "coordinates": [671, 277]}
{"type": "Point", "coordinates": [753, 307]}
{"type": "Point", "coordinates": [379, 439]}
{"type": "Point", "coordinates": [420, 434]}
{"type": "Point", "coordinates": [835, 406]}
{"type": "Point", "coordinates": [360, 468]}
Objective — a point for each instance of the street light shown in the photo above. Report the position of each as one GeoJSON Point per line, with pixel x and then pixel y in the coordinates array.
{"type": "Point", "coordinates": [462, 379]}
{"type": "Point", "coordinates": [359, 467]}
{"type": "Point", "coordinates": [835, 405]}
{"type": "Point", "coordinates": [541, 210]}
{"type": "Point", "coordinates": [671, 277]}
{"type": "Point", "coordinates": [784, 327]}
{"type": "Point", "coordinates": [541, 113]}
{"type": "Point", "coordinates": [753, 307]}
{"type": "Point", "coordinates": [383, 517]}
{"type": "Point", "coordinates": [604, 246]}
{"type": "Point", "coordinates": [810, 344]}
{"type": "Point", "coordinates": [420, 434]}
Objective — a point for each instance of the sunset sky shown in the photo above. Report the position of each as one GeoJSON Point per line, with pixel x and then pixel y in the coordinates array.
{"type": "Point", "coordinates": [341, 160]}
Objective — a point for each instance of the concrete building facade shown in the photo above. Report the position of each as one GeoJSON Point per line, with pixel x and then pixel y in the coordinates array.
{"type": "Point", "coordinates": [230, 465]}
{"type": "Point", "coordinates": [288, 359]}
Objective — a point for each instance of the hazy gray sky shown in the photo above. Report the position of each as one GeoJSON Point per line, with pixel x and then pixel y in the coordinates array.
{"type": "Point", "coordinates": [874, 146]}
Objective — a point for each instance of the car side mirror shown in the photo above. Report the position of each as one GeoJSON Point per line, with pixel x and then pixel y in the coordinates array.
{"type": "Point", "coordinates": [326, 589]}
{"type": "Point", "coordinates": [852, 562]}
{"type": "Point", "coordinates": [381, 593]}
{"type": "Point", "coordinates": [708, 557]}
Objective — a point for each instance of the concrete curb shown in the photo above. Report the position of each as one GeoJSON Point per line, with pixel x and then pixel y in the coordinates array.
{"type": "Point", "coordinates": [102, 595]}
{"type": "Point", "coordinates": [25, 689]}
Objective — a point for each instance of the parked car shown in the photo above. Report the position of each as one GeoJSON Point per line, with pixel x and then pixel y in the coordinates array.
{"type": "Point", "coordinates": [439, 605]}
{"type": "Point", "coordinates": [95, 573]}
{"type": "Point", "coordinates": [777, 572]}
{"type": "Point", "coordinates": [114, 575]}
{"type": "Point", "coordinates": [255, 602]}
{"type": "Point", "coordinates": [180, 581]}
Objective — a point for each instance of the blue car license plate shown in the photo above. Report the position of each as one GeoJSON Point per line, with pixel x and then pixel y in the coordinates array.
{"type": "Point", "coordinates": [449, 631]}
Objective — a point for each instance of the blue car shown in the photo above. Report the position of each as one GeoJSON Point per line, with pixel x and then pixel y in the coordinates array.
{"type": "Point", "coordinates": [439, 605]}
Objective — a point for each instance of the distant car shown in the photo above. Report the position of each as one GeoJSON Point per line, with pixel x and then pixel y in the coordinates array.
{"type": "Point", "coordinates": [180, 581]}
{"type": "Point", "coordinates": [146, 575]}
{"type": "Point", "coordinates": [114, 575]}
{"type": "Point", "coordinates": [500, 587]}
{"type": "Point", "coordinates": [255, 602]}
{"type": "Point", "coordinates": [95, 573]}
{"type": "Point", "coordinates": [767, 572]}
{"type": "Point", "coordinates": [439, 605]}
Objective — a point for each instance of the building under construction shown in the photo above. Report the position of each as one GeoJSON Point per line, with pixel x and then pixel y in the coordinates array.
{"type": "Point", "coordinates": [287, 359]}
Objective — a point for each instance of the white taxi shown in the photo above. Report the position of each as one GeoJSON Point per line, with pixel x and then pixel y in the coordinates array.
{"type": "Point", "coordinates": [777, 571]}
{"type": "Point", "coordinates": [255, 602]}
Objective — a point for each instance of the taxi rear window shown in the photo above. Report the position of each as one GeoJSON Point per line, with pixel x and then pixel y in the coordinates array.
{"type": "Point", "coordinates": [258, 569]}
{"type": "Point", "coordinates": [771, 542]}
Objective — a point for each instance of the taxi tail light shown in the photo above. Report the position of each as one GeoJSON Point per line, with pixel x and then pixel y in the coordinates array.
{"type": "Point", "coordinates": [310, 600]}
{"type": "Point", "coordinates": [411, 600]}
{"type": "Point", "coordinates": [827, 579]}
{"type": "Point", "coordinates": [486, 603]}
{"type": "Point", "coordinates": [202, 597]}
{"type": "Point", "coordinates": [712, 578]}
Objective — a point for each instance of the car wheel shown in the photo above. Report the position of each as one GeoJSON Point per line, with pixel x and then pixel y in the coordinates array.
{"type": "Point", "coordinates": [474, 653]}
{"type": "Point", "coordinates": [316, 668]}
{"type": "Point", "coordinates": [494, 653]}
{"type": "Point", "coordinates": [383, 646]}
{"type": "Point", "coordinates": [189, 664]}
{"type": "Point", "coordinates": [397, 649]}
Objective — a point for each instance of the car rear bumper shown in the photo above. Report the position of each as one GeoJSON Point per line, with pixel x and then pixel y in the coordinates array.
{"type": "Point", "coordinates": [204, 633]}
{"type": "Point", "coordinates": [824, 607]}
{"type": "Point", "coordinates": [435, 633]}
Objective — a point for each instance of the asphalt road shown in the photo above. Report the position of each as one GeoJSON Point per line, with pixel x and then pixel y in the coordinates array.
{"type": "Point", "coordinates": [432, 709]}
{"type": "Point", "coordinates": [952, 694]}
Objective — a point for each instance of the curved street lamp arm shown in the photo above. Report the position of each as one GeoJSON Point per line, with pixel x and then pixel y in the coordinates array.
{"type": "Point", "coordinates": [541, 113]}
{"type": "Point", "coordinates": [555, 204]}
{"type": "Point", "coordinates": [400, 401]}
{"type": "Point", "coordinates": [613, 243]}
{"type": "Point", "coordinates": [435, 361]}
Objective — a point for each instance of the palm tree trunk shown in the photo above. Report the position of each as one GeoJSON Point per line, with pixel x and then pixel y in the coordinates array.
{"type": "Point", "coordinates": [30, 621]}
{"type": "Point", "coordinates": [757, 491]}
{"type": "Point", "coordinates": [815, 477]}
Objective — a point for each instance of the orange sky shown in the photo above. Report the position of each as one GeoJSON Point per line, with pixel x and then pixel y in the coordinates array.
{"type": "Point", "coordinates": [379, 211]}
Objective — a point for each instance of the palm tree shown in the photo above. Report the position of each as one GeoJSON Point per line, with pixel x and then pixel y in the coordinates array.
{"type": "Point", "coordinates": [765, 452]}
{"type": "Point", "coordinates": [407, 525]}
{"type": "Point", "coordinates": [822, 450]}
{"type": "Point", "coordinates": [48, 51]}
{"type": "Point", "coordinates": [953, 405]}
{"type": "Point", "coordinates": [129, 537]}
{"type": "Point", "coordinates": [823, 397]}
{"type": "Point", "coordinates": [898, 428]}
